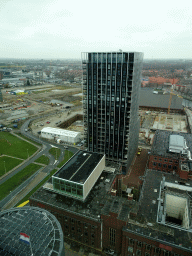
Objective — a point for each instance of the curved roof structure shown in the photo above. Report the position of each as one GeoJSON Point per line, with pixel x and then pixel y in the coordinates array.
{"type": "Point", "coordinates": [44, 231]}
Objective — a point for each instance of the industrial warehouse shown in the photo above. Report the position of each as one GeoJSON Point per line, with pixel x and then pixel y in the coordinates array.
{"type": "Point", "coordinates": [60, 134]}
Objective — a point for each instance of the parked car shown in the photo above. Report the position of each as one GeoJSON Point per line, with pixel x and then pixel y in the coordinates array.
{"type": "Point", "coordinates": [48, 122]}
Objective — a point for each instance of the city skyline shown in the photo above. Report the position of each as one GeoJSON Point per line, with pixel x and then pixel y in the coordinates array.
{"type": "Point", "coordinates": [50, 29]}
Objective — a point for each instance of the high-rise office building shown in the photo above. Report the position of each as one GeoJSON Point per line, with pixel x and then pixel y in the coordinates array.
{"type": "Point", "coordinates": [111, 84]}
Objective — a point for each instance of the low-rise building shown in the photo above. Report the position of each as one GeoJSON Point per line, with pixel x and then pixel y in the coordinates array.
{"type": "Point", "coordinates": [105, 220]}
{"type": "Point", "coordinates": [64, 135]}
{"type": "Point", "coordinates": [169, 152]}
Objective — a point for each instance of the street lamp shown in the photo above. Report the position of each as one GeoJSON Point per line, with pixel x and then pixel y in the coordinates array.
{"type": "Point", "coordinates": [4, 167]}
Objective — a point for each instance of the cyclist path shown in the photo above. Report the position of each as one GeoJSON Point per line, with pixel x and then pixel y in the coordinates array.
{"type": "Point", "coordinates": [13, 157]}
{"type": "Point", "coordinates": [24, 191]}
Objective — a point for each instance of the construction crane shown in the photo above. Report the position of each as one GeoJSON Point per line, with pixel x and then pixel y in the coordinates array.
{"type": "Point", "coordinates": [171, 94]}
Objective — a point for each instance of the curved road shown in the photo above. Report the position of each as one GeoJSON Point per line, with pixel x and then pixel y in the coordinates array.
{"type": "Point", "coordinates": [44, 151]}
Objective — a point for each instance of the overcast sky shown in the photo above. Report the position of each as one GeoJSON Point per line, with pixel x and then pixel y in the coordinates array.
{"type": "Point", "coordinates": [65, 28]}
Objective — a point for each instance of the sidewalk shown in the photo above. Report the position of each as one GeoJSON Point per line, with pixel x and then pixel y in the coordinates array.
{"type": "Point", "coordinates": [19, 196]}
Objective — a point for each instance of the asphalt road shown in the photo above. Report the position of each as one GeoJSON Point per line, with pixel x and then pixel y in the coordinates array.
{"type": "Point", "coordinates": [44, 151]}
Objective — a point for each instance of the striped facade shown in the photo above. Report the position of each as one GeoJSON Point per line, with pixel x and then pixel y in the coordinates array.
{"type": "Point", "coordinates": [111, 83]}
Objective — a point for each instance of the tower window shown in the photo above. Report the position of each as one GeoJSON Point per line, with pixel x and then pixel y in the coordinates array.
{"type": "Point", "coordinates": [112, 236]}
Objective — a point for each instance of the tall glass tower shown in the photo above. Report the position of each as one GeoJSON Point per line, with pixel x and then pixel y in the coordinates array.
{"type": "Point", "coordinates": [111, 85]}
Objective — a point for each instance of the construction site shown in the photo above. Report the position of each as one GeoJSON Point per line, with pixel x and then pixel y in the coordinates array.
{"type": "Point", "coordinates": [61, 106]}
{"type": "Point", "coordinates": [47, 106]}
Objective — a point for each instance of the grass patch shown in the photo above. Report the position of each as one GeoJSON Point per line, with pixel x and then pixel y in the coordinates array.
{"type": "Point", "coordinates": [7, 164]}
{"type": "Point", "coordinates": [17, 179]}
{"type": "Point", "coordinates": [37, 187]}
{"type": "Point", "coordinates": [55, 152]}
{"type": "Point", "coordinates": [67, 156]}
{"type": "Point", "coordinates": [42, 160]}
{"type": "Point", "coordinates": [26, 138]}
{"type": "Point", "coordinates": [13, 146]}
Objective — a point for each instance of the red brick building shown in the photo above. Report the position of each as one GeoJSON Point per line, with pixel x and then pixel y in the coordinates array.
{"type": "Point", "coordinates": [105, 221]}
{"type": "Point", "coordinates": [164, 159]}
{"type": "Point", "coordinates": [161, 80]}
{"type": "Point", "coordinates": [126, 227]}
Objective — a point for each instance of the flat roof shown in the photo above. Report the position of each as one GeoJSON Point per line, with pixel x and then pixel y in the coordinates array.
{"type": "Point", "coordinates": [59, 131]}
{"type": "Point", "coordinates": [176, 143]}
{"type": "Point", "coordinates": [145, 223]}
{"type": "Point", "coordinates": [99, 201]}
{"type": "Point", "coordinates": [79, 167]}
{"type": "Point", "coordinates": [149, 99]}
{"type": "Point", "coordinates": [160, 144]}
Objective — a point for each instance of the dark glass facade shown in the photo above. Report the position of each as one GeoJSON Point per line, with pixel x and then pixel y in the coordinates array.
{"type": "Point", "coordinates": [111, 83]}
